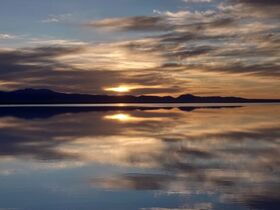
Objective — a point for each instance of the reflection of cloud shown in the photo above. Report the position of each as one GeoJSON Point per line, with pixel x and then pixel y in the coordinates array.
{"type": "Point", "coordinates": [137, 181]}
{"type": "Point", "coordinates": [197, 206]}
{"type": "Point", "coordinates": [120, 117]}
{"type": "Point", "coordinates": [189, 152]}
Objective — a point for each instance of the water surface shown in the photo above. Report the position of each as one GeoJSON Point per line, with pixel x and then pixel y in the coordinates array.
{"type": "Point", "coordinates": [140, 157]}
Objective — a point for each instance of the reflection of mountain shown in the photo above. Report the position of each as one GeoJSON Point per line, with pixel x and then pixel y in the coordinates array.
{"type": "Point", "coordinates": [45, 96]}
{"type": "Point", "coordinates": [50, 111]}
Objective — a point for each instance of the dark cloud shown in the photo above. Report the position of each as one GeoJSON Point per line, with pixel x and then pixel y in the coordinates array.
{"type": "Point", "coordinates": [137, 23]}
{"type": "Point", "coordinates": [161, 23]}
{"type": "Point", "coordinates": [259, 2]}
{"type": "Point", "coordinates": [215, 23]}
{"type": "Point", "coordinates": [136, 181]}
{"type": "Point", "coordinates": [257, 52]}
{"type": "Point", "coordinates": [258, 8]}
{"type": "Point", "coordinates": [41, 68]}
{"type": "Point", "coordinates": [264, 69]}
{"type": "Point", "coordinates": [183, 37]}
{"type": "Point", "coordinates": [235, 38]}
{"type": "Point", "coordinates": [189, 52]}
{"type": "Point", "coordinates": [29, 59]}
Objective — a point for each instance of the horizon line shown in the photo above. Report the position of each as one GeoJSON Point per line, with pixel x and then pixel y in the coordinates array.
{"type": "Point", "coordinates": [123, 95]}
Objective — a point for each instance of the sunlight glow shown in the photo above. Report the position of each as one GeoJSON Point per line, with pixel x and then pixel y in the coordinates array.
{"type": "Point", "coordinates": [120, 117]}
{"type": "Point", "coordinates": [119, 89]}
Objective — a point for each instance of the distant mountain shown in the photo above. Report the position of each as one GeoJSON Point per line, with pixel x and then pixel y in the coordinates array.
{"type": "Point", "coordinates": [45, 96]}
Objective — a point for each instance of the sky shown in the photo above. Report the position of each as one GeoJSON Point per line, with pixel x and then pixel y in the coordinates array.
{"type": "Point", "coordinates": [147, 47]}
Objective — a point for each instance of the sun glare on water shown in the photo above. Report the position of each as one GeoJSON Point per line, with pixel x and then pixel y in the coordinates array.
{"type": "Point", "coordinates": [120, 117]}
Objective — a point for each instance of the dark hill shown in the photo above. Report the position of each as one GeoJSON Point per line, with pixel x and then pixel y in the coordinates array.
{"type": "Point", "coordinates": [45, 96]}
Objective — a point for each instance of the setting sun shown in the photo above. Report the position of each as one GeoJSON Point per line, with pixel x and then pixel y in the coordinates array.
{"type": "Point", "coordinates": [119, 89]}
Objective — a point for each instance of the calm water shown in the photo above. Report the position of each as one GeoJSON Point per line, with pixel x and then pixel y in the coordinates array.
{"type": "Point", "coordinates": [147, 158]}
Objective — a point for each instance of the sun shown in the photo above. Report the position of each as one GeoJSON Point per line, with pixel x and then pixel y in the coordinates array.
{"type": "Point", "coordinates": [119, 117]}
{"type": "Point", "coordinates": [119, 89]}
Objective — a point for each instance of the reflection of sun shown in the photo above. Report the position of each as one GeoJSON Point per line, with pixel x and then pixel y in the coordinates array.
{"type": "Point", "coordinates": [119, 89]}
{"type": "Point", "coordinates": [120, 117]}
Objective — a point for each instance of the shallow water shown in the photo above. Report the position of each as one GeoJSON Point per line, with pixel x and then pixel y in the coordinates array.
{"type": "Point", "coordinates": [142, 157]}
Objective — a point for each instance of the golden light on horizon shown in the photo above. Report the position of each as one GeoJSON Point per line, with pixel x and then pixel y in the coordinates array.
{"type": "Point", "coordinates": [119, 117]}
{"type": "Point", "coordinates": [119, 89]}
{"type": "Point", "coordinates": [123, 117]}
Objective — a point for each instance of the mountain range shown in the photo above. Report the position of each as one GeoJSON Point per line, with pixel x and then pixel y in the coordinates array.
{"type": "Point", "coordinates": [46, 96]}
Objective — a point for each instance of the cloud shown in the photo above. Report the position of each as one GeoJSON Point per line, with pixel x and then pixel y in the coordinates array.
{"type": "Point", "coordinates": [212, 28]}
{"type": "Point", "coordinates": [79, 68]}
{"type": "Point", "coordinates": [57, 18]}
{"type": "Point", "coordinates": [162, 65]}
{"type": "Point", "coordinates": [180, 51]}
{"type": "Point", "coordinates": [38, 67]}
{"type": "Point", "coordinates": [254, 9]}
{"type": "Point", "coordinates": [259, 2]}
{"type": "Point", "coordinates": [137, 23]}
{"type": "Point", "coordinates": [234, 46]}
{"type": "Point", "coordinates": [7, 36]}
{"type": "Point", "coordinates": [56, 42]}
{"type": "Point", "coordinates": [197, 1]}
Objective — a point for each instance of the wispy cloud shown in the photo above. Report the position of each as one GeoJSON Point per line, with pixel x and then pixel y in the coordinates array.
{"type": "Point", "coordinates": [7, 36]}
{"type": "Point", "coordinates": [137, 23]}
{"type": "Point", "coordinates": [236, 38]}
{"type": "Point", "coordinates": [55, 42]}
{"type": "Point", "coordinates": [197, 1]}
{"type": "Point", "coordinates": [180, 51]}
{"type": "Point", "coordinates": [57, 18]}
